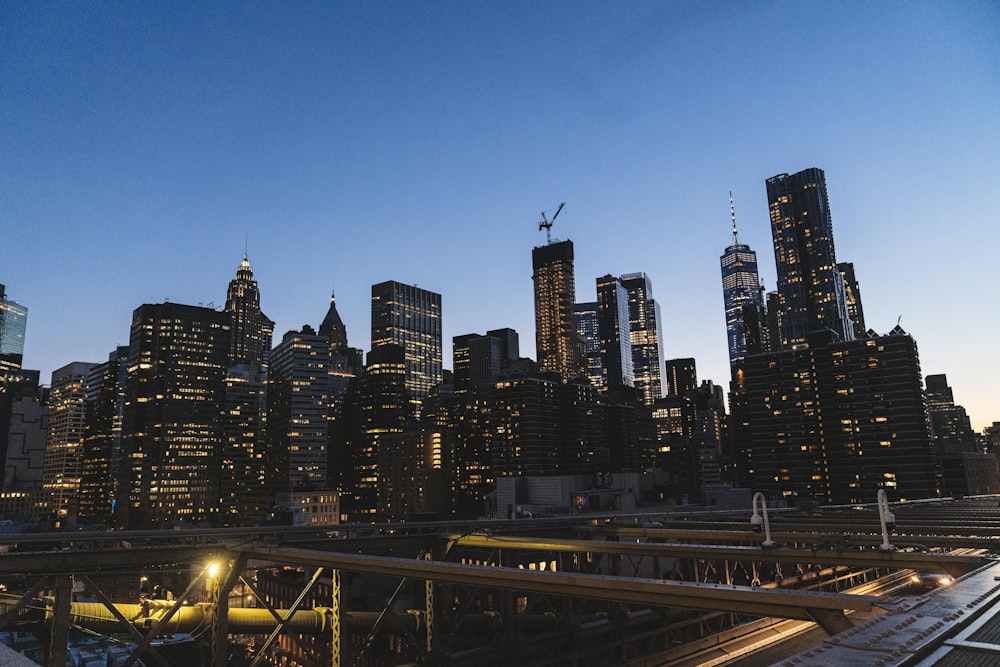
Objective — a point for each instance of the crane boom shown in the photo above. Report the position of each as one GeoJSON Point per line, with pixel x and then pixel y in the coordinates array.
{"type": "Point", "coordinates": [546, 224]}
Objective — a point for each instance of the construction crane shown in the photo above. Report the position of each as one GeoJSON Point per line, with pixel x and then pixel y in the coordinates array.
{"type": "Point", "coordinates": [546, 224]}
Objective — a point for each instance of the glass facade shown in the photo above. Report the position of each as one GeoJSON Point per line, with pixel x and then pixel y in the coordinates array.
{"type": "Point", "coordinates": [410, 317]}
{"type": "Point", "coordinates": [557, 346]}
{"type": "Point", "coordinates": [615, 332]}
{"type": "Point", "coordinates": [644, 323]}
{"type": "Point", "coordinates": [13, 322]}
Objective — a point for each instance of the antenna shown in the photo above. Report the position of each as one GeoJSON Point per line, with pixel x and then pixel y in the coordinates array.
{"type": "Point", "coordinates": [732, 212]}
{"type": "Point", "coordinates": [546, 224]}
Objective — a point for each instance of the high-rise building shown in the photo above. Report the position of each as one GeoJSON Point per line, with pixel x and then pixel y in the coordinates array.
{"type": "Point", "coordinates": [951, 428]}
{"type": "Point", "coordinates": [101, 473]}
{"type": "Point", "coordinates": [810, 287]}
{"type": "Point", "coordinates": [682, 377]}
{"type": "Point", "coordinates": [588, 329]}
{"type": "Point", "coordinates": [298, 399]}
{"type": "Point", "coordinates": [178, 356]}
{"type": "Point", "coordinates": [853, 295]}
{"type": "Point", "coordinates": [644, 325]}
{"type": "Point", "coordinates": [242, 491]}
{"type": "Point", "coordinates": [64, 447]}
{"type": "Point", "coordinates": [614, 329]}
{"type": "Point", "coordinates": [410, 317]}
{"type": "Point", "coordinates": [834, 421]}
{"type": "Point", "coordinates": [477, 360]}
{"type": "Point", "coordinates": [557, 345]}
{"type": "Point", "coordinates": [13, 321]}
{"type": "Point", "coordinates": [251, 330]}
{"type": "Point", "coordinates": [742, 297]}
{"type": "Point", "coordinates": [24, 428]}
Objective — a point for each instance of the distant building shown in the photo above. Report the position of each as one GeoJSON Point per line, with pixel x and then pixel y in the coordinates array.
{"type": "Point", "coordinates": [615, 331]}
{"type": "Point", "coordinates": [298, 397]}
{"type": "Point", "coordinates": [557, 345]}
{"type": "Point", "coordinates": [178, 356]}
{"type": "Point", "coordinates": [742, 299]}
{"type": "Point", "coordinates": [24, 429]}
{"type": "Point", "coordinates": [103, 481]}
{"type": "Point", "coordinates": [478, 360]}
{"type": "Point", "coordinates": [811, 291]}
{"type": "Point", "coordinates": [681, 377]}
{"type": "Point", "coordinates": [13, 321]}
{"type": "Point", "coordinates": [951, 428]}
{"type": "Point", "coordinates": [647, 344]}
{"type": "Point", "coordinates": [410, 317]}
{"type": "Point", "coordinates": [834, 421]}
{"type": "Point", "coordinates": [588, 330]}
{"type": "Point", "coordinates": [64, 446]}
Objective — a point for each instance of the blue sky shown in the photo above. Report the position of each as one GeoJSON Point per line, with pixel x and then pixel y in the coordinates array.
{"type": "Point", "coordinates": [142, 144]}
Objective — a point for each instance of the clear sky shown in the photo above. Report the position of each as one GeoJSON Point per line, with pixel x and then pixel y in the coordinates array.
{"type": "Point", "coordinates": [348, 143]}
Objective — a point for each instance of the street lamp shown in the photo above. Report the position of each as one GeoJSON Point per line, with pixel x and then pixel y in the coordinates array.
{"type": "Point", "coordinates": [887, 519]}
{"type": "Point", "coordinates": [756, 523]}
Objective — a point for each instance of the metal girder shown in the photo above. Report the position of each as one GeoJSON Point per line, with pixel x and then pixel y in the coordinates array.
{"type": "Point", "coordinates": [286, 617]}
{"type": "Point", "coordinates": [94, 562]}
{"type": "Point", "coordinates": [954, 564]}
{"type": "Point", "coordinates": [125, 624]}
{"type": "Point", "coordinates": [780, 603]}
{"type": "Point", "coordinates": [59, 632]}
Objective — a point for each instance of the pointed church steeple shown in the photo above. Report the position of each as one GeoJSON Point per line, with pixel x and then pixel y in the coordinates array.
{"type": "Point", "coordinates": [333, 327]}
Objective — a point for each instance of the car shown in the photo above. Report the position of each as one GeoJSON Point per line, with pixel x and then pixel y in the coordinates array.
{"type": "Point", "coordinates": [931, 580]}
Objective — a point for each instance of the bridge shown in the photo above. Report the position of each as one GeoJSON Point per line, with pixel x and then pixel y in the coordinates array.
{"type": "Point", "coordinates": [582, 590]}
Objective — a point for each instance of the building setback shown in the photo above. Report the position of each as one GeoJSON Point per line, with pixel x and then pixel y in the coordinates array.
{"type": "Point", "coordinates": [834, 421]}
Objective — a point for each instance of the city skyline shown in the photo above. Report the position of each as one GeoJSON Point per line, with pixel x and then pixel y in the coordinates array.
{"type": "Point", "coordinates": [148, 148]}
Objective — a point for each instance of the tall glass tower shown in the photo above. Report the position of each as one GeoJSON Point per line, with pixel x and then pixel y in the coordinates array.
{"type": "Point", "coordinates": [410, 317]}
{"type": "Point", "coordinates": [590, 338]}
{"type": "Point", "coordinates": [615, 332]}
{"type": "Point", "coordinates": [644, 324]}
{"type": "Point", "coordinates": [13, 320]}
{"type": "Point", "coordinates": [741, 294]}
{"type": "Point", "coordinates": [810, 287]}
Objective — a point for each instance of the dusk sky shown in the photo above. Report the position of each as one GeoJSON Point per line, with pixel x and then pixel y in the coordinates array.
{"type": "Point", "coordinates": [348, 143]}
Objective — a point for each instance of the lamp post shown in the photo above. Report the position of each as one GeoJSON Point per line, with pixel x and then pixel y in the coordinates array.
{"type": "Point", "coordinates": [756, 522]}
{"type": "Point", "coordinates": [887, 519]}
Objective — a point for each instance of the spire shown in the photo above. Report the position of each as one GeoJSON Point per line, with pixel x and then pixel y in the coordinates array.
{"type": "Point", "coordinates": [732, 212]}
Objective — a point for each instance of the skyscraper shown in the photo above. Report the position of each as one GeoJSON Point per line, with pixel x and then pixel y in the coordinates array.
{"type": "Point", "coordinates": [557, 346]}
{"type": "Point", "coordinates": [810, 287]}
{"type": "Point", "coordinates": [410, 317]}
{"type": "Point", "coordinates": [178, 356]}
{"type": "Point", "coordinates": [64, 447]}
{"type": "Point", "coordinates": [13, 320]}
{"type": "Point", "coordinates": [682, 377]}
{"type": "Point", "coordinates": [251, 330]}
{"type": "Point", "coordinates": [588, 329]}
{"type": "Point", "coordinates": [615, 333]}
{"type": "Point", "coordinates": [477, 360]}
{"type": "Point", "coordinates": [644, 324]}
{"type": "Point", "coordinates": [101, 473]}
{"type": "Point", "coordinates": [742, 296]}
{"type": "Point", "coordinates": [950, 425]}
{"type": "Point", "coordinates": [853, 295]}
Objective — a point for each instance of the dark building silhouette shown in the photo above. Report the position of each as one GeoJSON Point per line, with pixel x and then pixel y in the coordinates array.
{"type": "Point", "coordinates": [834, 421]}
{"type": "Point", "coordinates": [682, 377]}
{"type": "Point", "coordinates": [102, 476]}
{"type": "Point", "coordinates": [810, 287]}
{"type": "Point", "coordinates": [178, 356]}
{"type": "Point", "coordinates": [589, 333]}
{"type": "Point", "coordinates": [615, 332]}
{"type": "Point", "coordinates": [645, 326]}
{"type": "Point", "coordinates": [24, 427]}
{"type": "Point", "coordinates": [557, 345]}
{"type": "Point", "coordinates": [478, 360]}
{"type": "Point", "coordinates": [853, 295]}
{"type": "Point", "coordinates": [951, 428]}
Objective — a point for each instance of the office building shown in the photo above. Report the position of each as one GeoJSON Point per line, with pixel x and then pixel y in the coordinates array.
{"type": "Point", "coordinates": [298, 399]}
{"type": "Point", "coordinates": [24, 428]}
{"type": "Point", "coordinates": [951, 428]}
{"type": "Point", "coordinates": [101, 472]}
{"type": "Point", "coordinates": [681, 376]}
{"type": "Point", "coordinates": [588, 331]}
{"type": "Point", "coordinates": [852, 293]}
{"type": "Point", "coordinates": [410, 317]}
{"type": "Point", "coordinates": [13, 321]}
{"type": "Point", "coordinates": [64, 447]}
{"type": "Point", "coordinates": [346, 362]}
{"type": "Point", "coordinates": [478, 360]}
{"type": "Point", "coordinates": [644, 325]}
{"type": "Point", "coordinates": [834, 421]}
{"type": "Point", "coordinates": [614, 329]}
{"type": "Point", "coordinates": [242, 496]}
{"type": "Point", "coordinates": [742, 298]}
{"type": "Point", "coordinates": [557, 345]}
{"type": "Point", "coordinates": [178, 356]}
{"type": "Point", "coordinates": [811, 289]}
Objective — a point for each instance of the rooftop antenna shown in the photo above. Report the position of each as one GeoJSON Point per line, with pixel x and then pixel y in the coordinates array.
{"type": "Point", "coordinates": [546, 224]}
{"type": "Point", "coordinates": [246, 238]}
{"type": "Point", "coordinates": [732, 212]}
